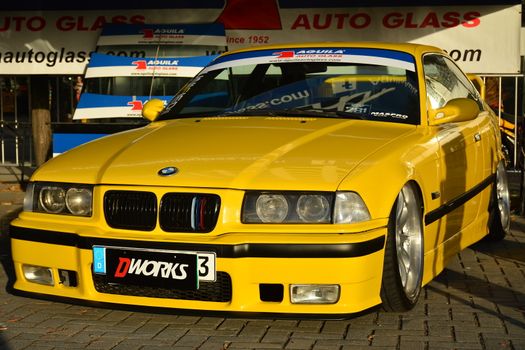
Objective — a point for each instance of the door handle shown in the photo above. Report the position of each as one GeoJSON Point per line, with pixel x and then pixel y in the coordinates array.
{"type": "Point", "coordinates": [477, 137]}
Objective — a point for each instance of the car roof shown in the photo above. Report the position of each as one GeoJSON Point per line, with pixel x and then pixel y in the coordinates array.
{"type": "Point", "coordinates": [404, 47]}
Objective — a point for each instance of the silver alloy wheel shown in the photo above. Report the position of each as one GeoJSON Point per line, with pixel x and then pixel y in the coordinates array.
{"type": "Point", "coordinates": [503, 197]}
{"type": "Point", "coordinates": [409, 242]}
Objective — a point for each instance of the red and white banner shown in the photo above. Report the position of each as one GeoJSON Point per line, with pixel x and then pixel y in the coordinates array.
{"type": "Point", "coordinates": [482, 39]}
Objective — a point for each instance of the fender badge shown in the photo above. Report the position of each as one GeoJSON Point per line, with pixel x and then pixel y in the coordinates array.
{"type": "Point", "coordinates": [171, 170]}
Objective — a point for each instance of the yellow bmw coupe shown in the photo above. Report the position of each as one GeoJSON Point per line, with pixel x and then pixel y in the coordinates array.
{"type": "Point", "coordinates": [314, 179]}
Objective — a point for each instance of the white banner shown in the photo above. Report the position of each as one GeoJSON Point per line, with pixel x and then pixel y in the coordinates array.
{"type": "Point", "coordinates": [482, 39]}
{"type": "Point", "coordinates": [116, 66]}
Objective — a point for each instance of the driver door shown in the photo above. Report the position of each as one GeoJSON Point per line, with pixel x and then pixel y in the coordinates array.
{"type": "Point", "coordinates": [460, 147]}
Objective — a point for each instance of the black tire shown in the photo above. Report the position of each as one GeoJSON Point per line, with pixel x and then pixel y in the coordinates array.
{"type": "Point", "coordinates": [499, 207]}
{"type": "Point", "coordinates": [401, 287]}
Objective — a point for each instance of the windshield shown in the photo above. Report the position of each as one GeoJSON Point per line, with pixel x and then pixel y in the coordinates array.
{"type": "Point", "coordinates": [367, 84]}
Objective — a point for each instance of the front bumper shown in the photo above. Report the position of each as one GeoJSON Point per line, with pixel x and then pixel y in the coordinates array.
{"type": "Point", "coordinates": [352, 261]}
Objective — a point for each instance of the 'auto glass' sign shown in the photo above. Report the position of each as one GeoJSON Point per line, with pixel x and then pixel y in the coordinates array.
{"type": "Point", "coordinates": [61, 42]}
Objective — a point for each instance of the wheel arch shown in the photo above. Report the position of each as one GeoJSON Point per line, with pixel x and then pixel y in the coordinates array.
{"type": "Point", "coordinates": [419, 192]}
{"type": "Point", "coordinates": [400, 290]}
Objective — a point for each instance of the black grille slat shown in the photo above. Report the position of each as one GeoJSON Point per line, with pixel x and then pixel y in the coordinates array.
{"type": "Point", "coordinates": [131, 210]}
{"type": "Point", "coordinates": [189, 212]}
{"type": "Point", "coordinates": [178, 212]}
{"type": "Point", "coordinates": [218, 291]}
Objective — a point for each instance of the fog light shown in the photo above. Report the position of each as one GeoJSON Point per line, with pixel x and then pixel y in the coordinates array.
{"type": "Point", "coordinates": [314, 293]}
{"type": "Point", "coordinates": [38, 274]}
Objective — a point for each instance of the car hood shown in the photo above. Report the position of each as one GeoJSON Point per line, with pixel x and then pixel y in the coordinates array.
{"type": "Point", "coordinates": [228, 152]}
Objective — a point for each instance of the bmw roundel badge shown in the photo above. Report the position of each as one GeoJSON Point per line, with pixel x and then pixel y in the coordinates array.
{"type": "Point", "coordinates": [168, 171]}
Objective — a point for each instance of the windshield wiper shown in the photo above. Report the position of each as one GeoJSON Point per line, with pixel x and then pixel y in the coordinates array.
{"type": "Point", "coordinates": [270, 112]}
{"type": "Point", "coordinates": [289, 112]}
{"type": "Point", "coordinates": [350, 115]}
{"type": "Point", "coordinates": [335, 113]}
{"type": "Point", "coordinates": [293, 112]}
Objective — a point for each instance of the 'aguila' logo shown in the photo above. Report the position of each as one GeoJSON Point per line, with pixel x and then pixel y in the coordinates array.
{"type": "Point", "coordinates": [308, 52]}
{"type": "Point", "coordinates": [320, 52]}
{"type": "Point", "coordinates": [135, 105]}
{"type": "Point", "coordinates": [139, 267]}
{"type": "Point", "coordinates": [148, 33]}
{"type": "Point", "coordinates": [142, 64]}
{"type": "Point", "coordinates": [284, 54]}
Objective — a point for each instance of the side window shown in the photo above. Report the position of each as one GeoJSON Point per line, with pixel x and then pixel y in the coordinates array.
{"type": "Point", "coordinates": [444, 81]}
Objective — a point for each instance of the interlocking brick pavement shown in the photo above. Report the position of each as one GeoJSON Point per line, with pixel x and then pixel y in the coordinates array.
{"type": "Point", "coordinates": [478, 302]}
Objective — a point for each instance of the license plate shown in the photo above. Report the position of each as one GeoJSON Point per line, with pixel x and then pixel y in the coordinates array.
{"type": "Point", "coordinates": [156, 268]}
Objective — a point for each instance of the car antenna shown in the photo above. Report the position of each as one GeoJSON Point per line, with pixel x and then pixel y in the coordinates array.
{"type": "Point", "coordinates": [154, 67]}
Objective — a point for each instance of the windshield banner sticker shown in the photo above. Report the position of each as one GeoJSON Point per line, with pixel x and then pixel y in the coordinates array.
{"type": "Point", "coordinates": [346, 55]}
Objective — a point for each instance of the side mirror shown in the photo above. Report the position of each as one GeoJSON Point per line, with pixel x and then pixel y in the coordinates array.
{"type": "Point", "coordinates": [152, 109]}
{"type": "Point", "coordinates": [456, 110]}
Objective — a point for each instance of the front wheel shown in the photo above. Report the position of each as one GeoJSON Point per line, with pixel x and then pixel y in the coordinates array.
{"type": "Point", "coordinates": [403, 264]}
{"type": "Point", "coordinates": [499, 207]}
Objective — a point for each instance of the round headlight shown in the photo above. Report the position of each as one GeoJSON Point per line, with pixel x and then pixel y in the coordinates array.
{"type": "Point", "coordinates": [52, 199]}
{"type": "Point", "coordinates": [271, 207]}
{"type": "Point", "coordinates": [313, 208]}
{"type": "Point", "coordinates": [78, 201]}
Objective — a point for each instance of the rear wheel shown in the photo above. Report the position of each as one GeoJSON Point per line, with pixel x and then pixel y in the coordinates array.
{"type": "Point", "coordinates": [403, 264]}
{"type": "Point", "coordinates": [499, 207]}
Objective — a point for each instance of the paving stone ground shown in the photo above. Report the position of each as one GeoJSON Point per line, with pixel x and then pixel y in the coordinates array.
{"type": "Point", "coordinates": [478, 302]}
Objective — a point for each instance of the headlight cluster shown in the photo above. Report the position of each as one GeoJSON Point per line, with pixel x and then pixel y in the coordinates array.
{"type": "Point", "coordinates": [59, 198]}
{"type": "Point", "coordinates": [303, 207]}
